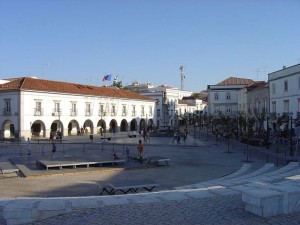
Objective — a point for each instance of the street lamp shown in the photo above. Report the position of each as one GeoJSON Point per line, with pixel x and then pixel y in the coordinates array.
{"type": "Point", "coordinates": [267, 130]}
{"type": "Point", "coordinates": [291, 135]}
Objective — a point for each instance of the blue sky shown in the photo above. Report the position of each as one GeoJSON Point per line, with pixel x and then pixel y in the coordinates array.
{"type": "Point", "coordinates": [147, 40]}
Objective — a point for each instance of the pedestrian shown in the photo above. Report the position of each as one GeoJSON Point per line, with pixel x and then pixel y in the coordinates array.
{"type": "Point", "coordinates": [28, 146]}
{"type": "Point", "coordinates": [185, 133]}
{"type": "Point", "coordinates": [175, 136]}
{"type": "Point", "coordinates": [53, 150]}
{"type": "Point", "coordinates": [140, 150]}
{"type": "Point", "coordinates": [127, 154]}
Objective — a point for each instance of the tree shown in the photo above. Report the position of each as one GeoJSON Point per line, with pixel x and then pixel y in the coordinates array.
{"type": "Point", "coordinates": [118, 84]}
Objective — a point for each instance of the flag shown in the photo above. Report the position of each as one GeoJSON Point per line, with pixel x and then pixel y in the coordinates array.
{"type": "Point", "coordinates": [106, 77]}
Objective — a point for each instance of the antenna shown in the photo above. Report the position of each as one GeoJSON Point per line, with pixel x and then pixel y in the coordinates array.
{"type": "Point", "coordinates": [182, 76]}
{"type": "Point", "coordinates": [43, 69]}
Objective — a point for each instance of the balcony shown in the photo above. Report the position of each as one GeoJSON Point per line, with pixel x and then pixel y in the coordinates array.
{"type": "Point", "coordinates": [38, 112]}
{"type": "Point", "coordinates": [124, 113]}
{"type": "Point", "coordinates": [133, 114]}
{"type": "Point", "coordinates": [6, 112]}
{"type": "Point", "coordinates": [101, 113]}
{"type": "Point", "coordinates": [56, 112]}
{"type": "Point", "coordinates": [73, 112]}
{"type": "Point", "coordinates": [273, 116]}
{"type": "Point", "coordinates": [88, 113]}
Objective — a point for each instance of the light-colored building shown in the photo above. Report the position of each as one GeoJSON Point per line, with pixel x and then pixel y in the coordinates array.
{"type": "Point", "coordinates": [284, 88]}
{"type": "Point", "coordinates": [139, 87]}
{"type": "Point", "coordinates": [36, 107]}
{"type": "Point", "coordinates": [168, 106]}
{"type": "Point", "coordinates": [253, 98]}
{"type": "Point", "coordinates": [223, 97]}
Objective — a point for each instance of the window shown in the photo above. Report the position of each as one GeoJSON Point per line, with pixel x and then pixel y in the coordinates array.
{"type": "Point", "coordinates": [286, 106]}
{"type": "Point", "coordinates": [274, 107]}
{"type": "Point", "coordinates": [7, 109]}
{"type": "Point", "coordinates": [88, 111]}
{"type": "Point", "coordinates": [228, 110]}
{"type": "Point", "coordinates": [273, 88]}
{"type": "Point", "coordinates": [286, 86]}
{"type": "Point", "coordinates": [101, 110]}
{"type": "Point", "coordinates": [150, 111]}
{"type": "Point", "coordinates": [228, 96]}
{"type": "Point", "coordinates": [133, 110]}
{"type": "Point", "coordinates": [38, 109]}
{"type": "Point", "coordinates": [216, 96]}
{"type": "Point", "coordinates": [57, 108]}
{"type": "Point", "coordinates": [124, 112]}
{"type": "Point", "coordinates": [143, 111]}
{"type": "Point", "coordinates": [158, 113]}
{"type": "Point", "coordinates": [73, 109]}
{"type": "Point", "coordinates": [113, 110]}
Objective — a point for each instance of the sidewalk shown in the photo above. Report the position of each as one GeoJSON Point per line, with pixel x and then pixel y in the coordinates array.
{"type": "Point", "coordinates": [197, 160]}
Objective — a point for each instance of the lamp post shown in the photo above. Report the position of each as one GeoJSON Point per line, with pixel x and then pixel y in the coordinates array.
{"type": "Point", "coordinates": [267, 131]}
{"type": "Point", "coordinates": [291, 135]}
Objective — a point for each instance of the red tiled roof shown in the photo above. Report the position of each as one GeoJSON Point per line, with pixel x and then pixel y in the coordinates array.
{"type": "Point", "coordinates": [27, 83]}
{"type": "Point", "coordinates": [236, 81]}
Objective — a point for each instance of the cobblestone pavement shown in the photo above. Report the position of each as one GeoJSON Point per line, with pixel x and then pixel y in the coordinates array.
{"type": "Point", "coordinates": [189, 164]}
{"type": "Point", "coordinates": [209, 211]}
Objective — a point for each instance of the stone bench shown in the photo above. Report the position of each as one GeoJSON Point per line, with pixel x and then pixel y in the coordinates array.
{"type": "Point", "coordinates": [7, 168]}
{"type": "Point", "coordinates": [273, 199]}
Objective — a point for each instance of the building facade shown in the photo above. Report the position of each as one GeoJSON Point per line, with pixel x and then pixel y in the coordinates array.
{"type": "Point", "coordinates": [284, 91]}
{"type": "Point", "coordinates": [35, 107]}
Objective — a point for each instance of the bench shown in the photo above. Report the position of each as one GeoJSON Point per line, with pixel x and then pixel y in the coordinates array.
{"type": "Point", "coordinates": [105, 138]}
{"type": "Point", "coordinates": [157, 160]}
{"type": "Point", "coordinates": [128, 186]}
{"type": "Point", "coordinates": [8, 168]}
{"type": "Point", "coordinates": [273, 199]}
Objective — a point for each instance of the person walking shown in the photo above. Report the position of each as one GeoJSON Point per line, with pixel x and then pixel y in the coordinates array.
{"type": "Point", "coordinates": [28, 146]}
{"type": "Point", "coordinates": [53, 150]}
{"type": "Point", "coordinates": [185, 133]}
{"type": "Point", "coordinates": [140, 150]}
{"type": "Point", "coordinates": [175, 135]}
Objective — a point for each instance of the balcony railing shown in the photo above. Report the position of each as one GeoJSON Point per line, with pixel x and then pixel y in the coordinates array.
{"type": "Point", "coordinates": [74, 112]}
{"type": "Point", "coordinates": [88, 113]}
{"type": "Point", "coordinates": [38, 112]}
{"type": "Point", "coordinates": [6, 112]}
{"type": "Point", "coordinates": [273, 115]}
{"type": "Point", "coordinates": [101, 113]}
{"type": "Point", "coordinates": [56, 112]}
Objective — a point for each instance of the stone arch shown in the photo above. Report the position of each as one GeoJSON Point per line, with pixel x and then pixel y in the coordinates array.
{"type": "Point", "coordinates": [88, 127]}
{"type": "Point", "coordinates": [57, 125]}
{"type": "Point", "coordinates": [7, 129]}
{"type": "Point", "coordinates": [133, 125]}
{"type": "Point", "coordinates": [123, 125]}
{"type": "Point", "coordinates": [38, 129]}
{"type": "Point", "coordinates": [113, 125]}
{"type": "Point", "coordinates": [150, 124]}
{"type": "Point", "coordinates": [101, 125]}
{"type": "Point", "coordinates": [142, 124]}
{"type": "Point", "coordinates": [73, 127]}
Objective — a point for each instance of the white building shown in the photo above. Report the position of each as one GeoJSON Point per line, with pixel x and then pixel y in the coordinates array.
{"type": "Point", "coordinates": [168, 108]}
{"type": "Point", "coordinates": [284, 88]}
{"type": "Point", "coordinates": [35, 107]}
{"type": "Point", "coordinates": [223, 97]}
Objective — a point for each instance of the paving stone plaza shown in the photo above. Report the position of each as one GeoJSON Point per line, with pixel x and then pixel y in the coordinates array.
{"type": "Point", "coordinates": [175, 201]}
